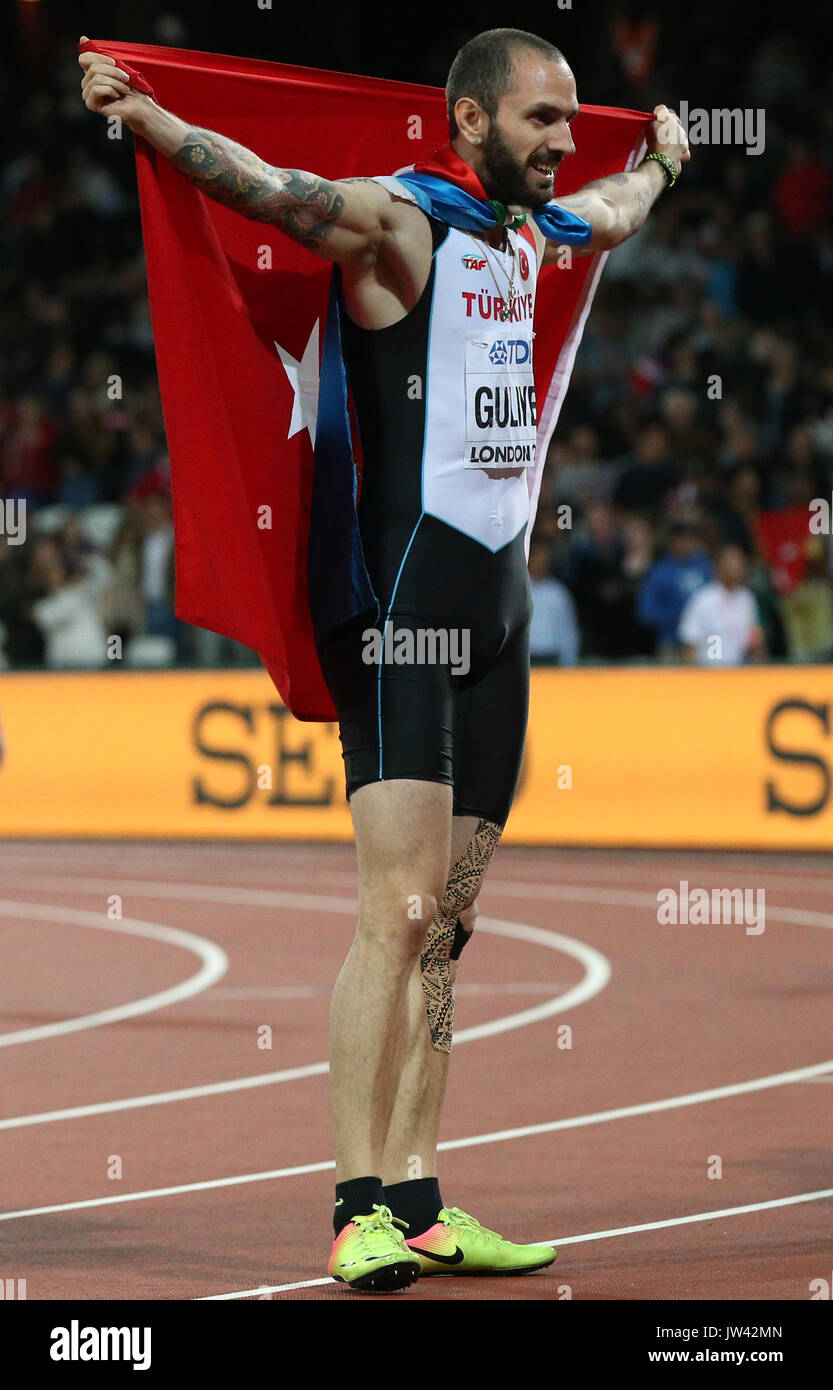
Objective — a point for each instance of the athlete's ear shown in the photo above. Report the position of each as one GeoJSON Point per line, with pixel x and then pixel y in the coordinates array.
{"type": "Point", "coordinates": [471, 120]}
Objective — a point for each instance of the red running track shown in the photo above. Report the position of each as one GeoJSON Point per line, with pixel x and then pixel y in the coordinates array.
{"type": "Point", "coordinates": [706, 1048]}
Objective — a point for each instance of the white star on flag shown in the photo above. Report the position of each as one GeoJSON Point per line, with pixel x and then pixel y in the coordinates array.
{"type": "Point", "coordinates": [303, 378]}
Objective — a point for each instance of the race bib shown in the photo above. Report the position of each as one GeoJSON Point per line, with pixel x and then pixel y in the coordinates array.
{"type": "Point", "coordinates": [501, 413]}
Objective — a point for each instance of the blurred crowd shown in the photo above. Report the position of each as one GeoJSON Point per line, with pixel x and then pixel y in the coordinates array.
{"type": "Point", "coordinates": [697, 431]}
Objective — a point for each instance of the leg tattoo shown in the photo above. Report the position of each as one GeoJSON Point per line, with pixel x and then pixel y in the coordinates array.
{"type": "Point", "coordinates": [435, 961]}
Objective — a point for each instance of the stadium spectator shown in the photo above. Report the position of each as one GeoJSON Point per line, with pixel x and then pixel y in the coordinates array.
{"type": "Point", "coordinates": [670, 583]}
{"type": "Point", "coordinates": [719, 625]}
{"type": "Point", "coordinates": [67, 614]}
{"type": "Point", "coordinates": [690, 445]}
{"type": "Point", "coordinates": [151, 498]}
{"type": "Point", "coordinates": [554, 634]}
{"type": "Point", "coordinates": [603, 578]}
{"type": "Point", "coordinates": [27, 453]}
{"type": "Point", "coordinates": [808, 608]}
{"type": "Point", "coordinates": [648, 477]}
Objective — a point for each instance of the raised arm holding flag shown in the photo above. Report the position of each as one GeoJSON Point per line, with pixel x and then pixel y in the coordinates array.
{"type": "Point", "coordinates": [397, 455]}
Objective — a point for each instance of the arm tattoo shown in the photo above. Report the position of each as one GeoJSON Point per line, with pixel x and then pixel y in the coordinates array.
{"type": "Point", "coordinates": [303, 205]}
{"type": "Point", "coordinates": [633, 206]}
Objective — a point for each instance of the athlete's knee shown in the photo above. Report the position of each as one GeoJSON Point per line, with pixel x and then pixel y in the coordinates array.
{"type": "Point", "coordinates": [397, 922]}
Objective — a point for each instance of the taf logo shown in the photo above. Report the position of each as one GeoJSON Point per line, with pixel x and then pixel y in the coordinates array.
{"type": "Point", "coordinates": [475, 263]}
{"type": "Point", "coordinates": [524, 263]}
{"type": "Point", "coordinates": [513, 350]}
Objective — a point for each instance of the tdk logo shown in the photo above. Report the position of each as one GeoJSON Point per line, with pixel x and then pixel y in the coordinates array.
{"type": "Point", "coordinates": [514, 350]}
{"type": "Point", "coordinates": [473, 262]}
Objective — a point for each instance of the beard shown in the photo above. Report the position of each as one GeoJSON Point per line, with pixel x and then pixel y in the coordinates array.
{"type": "Point", "coordinates": [504, 176]}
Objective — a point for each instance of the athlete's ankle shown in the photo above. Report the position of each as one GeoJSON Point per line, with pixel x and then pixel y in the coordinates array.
{"type": "Point", "coordinates": [357, 1197]}
{"type": "Point", "coordinates": [417, 1201]}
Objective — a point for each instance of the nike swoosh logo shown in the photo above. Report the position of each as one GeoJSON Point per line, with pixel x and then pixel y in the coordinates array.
{"type": "Point", "coordinates": [454, 1259]}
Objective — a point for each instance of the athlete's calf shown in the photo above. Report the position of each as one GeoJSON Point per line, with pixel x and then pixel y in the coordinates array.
{"type": "Point", "coordinates": [450, 929]}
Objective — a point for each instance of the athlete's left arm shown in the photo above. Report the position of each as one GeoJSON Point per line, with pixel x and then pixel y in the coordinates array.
{"type": "Point", "coordinates": [618, 205]}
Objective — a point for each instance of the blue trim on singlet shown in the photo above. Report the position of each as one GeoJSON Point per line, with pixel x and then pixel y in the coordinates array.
{"type": "Point", "coordinates": [384, 639]}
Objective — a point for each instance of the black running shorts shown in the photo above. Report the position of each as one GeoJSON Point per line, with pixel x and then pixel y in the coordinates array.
{"type": "Point", "coordinates": [444, 697]}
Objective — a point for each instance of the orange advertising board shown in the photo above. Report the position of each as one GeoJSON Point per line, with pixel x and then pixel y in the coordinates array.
{"type": "Point", "coordinates": [629, 756]}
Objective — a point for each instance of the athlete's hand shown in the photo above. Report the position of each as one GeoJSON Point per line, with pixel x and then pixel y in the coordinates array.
{"type": "Point", "coordinates": [667, 136]}
{"type": "Point", "coordinates": [106, 88]}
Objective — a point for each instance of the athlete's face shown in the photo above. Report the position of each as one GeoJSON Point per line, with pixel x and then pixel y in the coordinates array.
{"type": "Point", "coordinates": [530, 135]}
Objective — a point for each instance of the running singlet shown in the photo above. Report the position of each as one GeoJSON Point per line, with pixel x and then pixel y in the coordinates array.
{"type": "Point", "coordinates": [446, 414]}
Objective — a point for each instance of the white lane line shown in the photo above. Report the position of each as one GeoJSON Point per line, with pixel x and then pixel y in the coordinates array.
{"type": "Point", "coordinates": [265, 1291]}
{"type": "Point", "coordinates": [213, 1088]}
{"type": "Point", "coordinates": [201, 892]}
{"type": "Point", "coordinates": [651, 1107]}
{"type": "Point", "coordinates": [269, 897]}
{"type": "Point", "coordinates": [214, 966]}
{"type": "Point", "coordinates": [347, 906]}
{"type": "Point", "coordinates": [87, 1202]}
{"type": "Point", "coordinates": [596, 976]}
{"type": "Point", "coordinates": [470, 1141]}
{"type": "Point", "coordinates": [337, 876]}
{"type": "Point", "coordinates": [615, 897]}
{"type": "Point", "coordinates": [701, 874]}
{"type": "Point", "coordinates": [268, 1289]}
{"type": "Point", "coordinates": [822, 1195]}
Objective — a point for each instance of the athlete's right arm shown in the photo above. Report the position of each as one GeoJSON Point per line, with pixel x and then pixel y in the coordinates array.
{"type": "Point", "coordinates": [338, 220]}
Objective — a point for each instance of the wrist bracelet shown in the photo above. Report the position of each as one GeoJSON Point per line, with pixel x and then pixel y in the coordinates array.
{"type": "Point", "coordinates": [666, 165]}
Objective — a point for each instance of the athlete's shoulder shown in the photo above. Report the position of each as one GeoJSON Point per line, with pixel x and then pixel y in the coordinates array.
{"type": "Point", "coordinates": [384, 188]}
{"type": "Point", "coordinates": [416, 210]}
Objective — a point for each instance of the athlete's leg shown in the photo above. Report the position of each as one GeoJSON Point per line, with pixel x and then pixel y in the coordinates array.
{"type": "Point", "coordinates": [489, 733]}
{"type": "Point", "coordinates": [411, 1141]}
{"type": "Point", "coordinates": [403, 840]}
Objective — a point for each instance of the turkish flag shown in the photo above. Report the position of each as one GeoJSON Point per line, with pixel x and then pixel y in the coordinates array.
{"type": "Point", "coordinates": [238, 313]}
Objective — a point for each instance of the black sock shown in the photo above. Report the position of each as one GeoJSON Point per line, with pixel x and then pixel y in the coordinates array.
{"type": "Point", "coordinates": [356, 1198]}
{"type": "Point", "coordinates": [417, 1201]}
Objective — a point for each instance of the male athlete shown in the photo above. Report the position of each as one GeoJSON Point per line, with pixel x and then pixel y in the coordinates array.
{"type": "Point", "coordinates": [432, 747]}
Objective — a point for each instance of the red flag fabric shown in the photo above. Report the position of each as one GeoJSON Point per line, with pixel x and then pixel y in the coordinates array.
{"type": "Point", "coordinates": [237, 311]}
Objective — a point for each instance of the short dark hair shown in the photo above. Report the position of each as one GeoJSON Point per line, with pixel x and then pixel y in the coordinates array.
{"type": "Point", "coordinates": [484, 67]}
